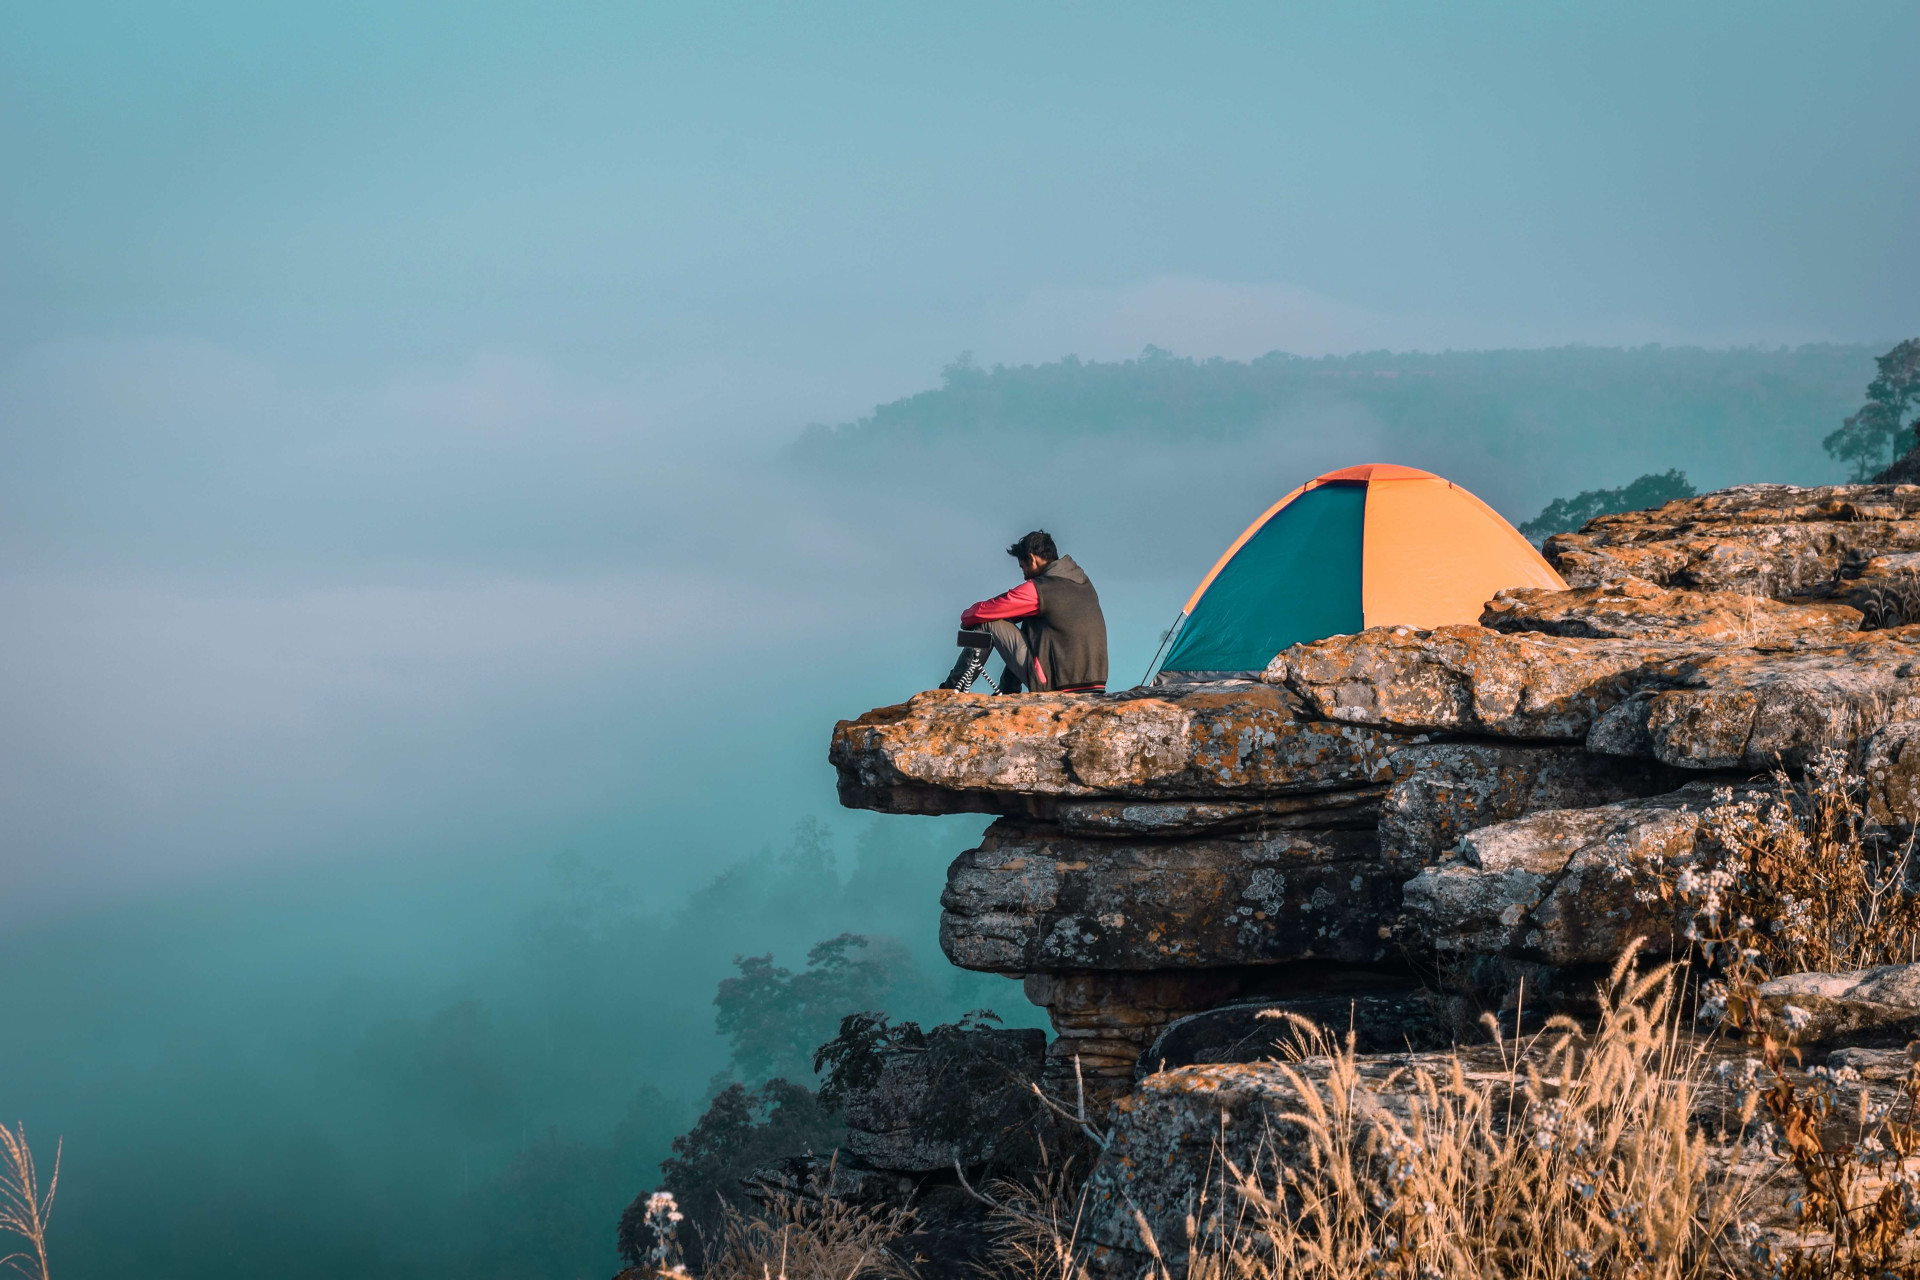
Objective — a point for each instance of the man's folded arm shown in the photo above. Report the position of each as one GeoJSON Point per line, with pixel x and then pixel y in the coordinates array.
{"type": "Point", "coordinates": [1021, 602]}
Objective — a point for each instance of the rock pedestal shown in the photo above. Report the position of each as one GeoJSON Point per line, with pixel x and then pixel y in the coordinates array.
{"type": "Point", "coordinates": [1181, 864]}
{"type": "Point", "coordinates": [1401, 798]}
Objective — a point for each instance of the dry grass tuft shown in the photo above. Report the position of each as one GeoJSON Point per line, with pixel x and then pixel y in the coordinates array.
{"type": "Point", "coordinates": [1038, 1228]}
{"type": "Point", "coordinates": [25, 1210]}
{"type": "Point", "coordinates": [1579, 1162]}
{"type": "Point", "coordinates": [808, 1236]}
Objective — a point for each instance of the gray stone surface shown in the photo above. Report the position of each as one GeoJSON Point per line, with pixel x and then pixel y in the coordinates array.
{"type": "Point", "coordinates": [1030, 901]}
{"type": "Point", "coordinates": [886, 1125]}
{"type": "Point", "coordinates": [1561, 886]}
{"type": "Point", "coordinates": [1826, 1006]}
{"type": "Point", "coordinates": [1890, 764]}
{"type": "Point", "coordinates": [1759, 539]}
{"type": "Point", "coordinates": [1633, 609]}
{"type": "Point", "coordinates": [1447, 789]}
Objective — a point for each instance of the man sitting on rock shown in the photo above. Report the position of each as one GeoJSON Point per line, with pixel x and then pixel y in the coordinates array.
{"type": "Point", "coordinates": [1060, 644]}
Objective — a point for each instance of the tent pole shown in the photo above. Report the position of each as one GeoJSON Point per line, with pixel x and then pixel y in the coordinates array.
{"type": "Point", "coordinates": [1166, 638]}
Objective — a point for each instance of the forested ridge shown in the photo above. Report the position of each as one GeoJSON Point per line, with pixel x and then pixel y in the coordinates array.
{"type": "Point", "coordinates": [1161, 393]}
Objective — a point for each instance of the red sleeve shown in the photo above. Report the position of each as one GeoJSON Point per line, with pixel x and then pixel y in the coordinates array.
{"type": "Point", "coordinates": [1021, 602]}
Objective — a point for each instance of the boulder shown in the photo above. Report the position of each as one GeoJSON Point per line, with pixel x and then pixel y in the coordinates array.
{"type": "Point", "coordinates": [1751, 708]}
{"type": "Point", "coordinates": [1563, 887]}
{"type": "Point", "coordinates": [1164, 1169]}
{"type": "Point", "coordinates": [1447, 789]}
{"type": "Point", "coordinates": [1878, 1003]}
{"type": "Point", "coordinates": [1633, 609]}
{"type": "Point", "coordinates": [1470, 679]}
{"type": "Point", "coordinates": [1029, 901]}
{"type": "Point", "coordinates": [1770, 540]}
{"type": "Point", "coordinates": [1395, 1021]}
{"type": "Point", "coordinates": [1355, 807]}
{"type": "Point", "coordinates": [945, 752]}
{"type": "Point", "coordinates": [1757, 710]}
{"type": "Point", "coordinates": [893, 1122]}
{"type": "Point", "coordinates": [1164, 1172]}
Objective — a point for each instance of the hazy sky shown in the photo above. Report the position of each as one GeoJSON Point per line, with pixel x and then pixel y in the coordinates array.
{"type": "Point", "coordinates": [385, 389]}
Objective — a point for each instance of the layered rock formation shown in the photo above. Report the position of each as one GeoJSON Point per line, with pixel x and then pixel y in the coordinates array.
{"type": "Point", "coordinates": [1483, 802]}
{"type": "Point", "coordinates": [1399, 791]}
{"type": "Point", "coordinates": [1469, 791]}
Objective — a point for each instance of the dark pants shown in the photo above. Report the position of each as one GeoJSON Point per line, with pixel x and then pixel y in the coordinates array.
{"type": "Point", "coordinates": [1010, 642]}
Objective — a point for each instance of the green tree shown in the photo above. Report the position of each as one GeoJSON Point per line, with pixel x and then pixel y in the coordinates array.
{"type": "Point", "coordinates": [1649, 490]}
{"type": "Point", "coordinates": [1882, 425]}
{"type": "Point", "coordinates": [776, 1018]}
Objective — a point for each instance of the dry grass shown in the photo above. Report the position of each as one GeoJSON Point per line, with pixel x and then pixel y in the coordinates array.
{"type": "Point", "coordinates": [1038, 1227]}
{"type": "Point", "coordinates": [1796, 883]}
{"type": "Point", "coordinates": [807, 1236]}
{"type": "Point", "coordinates": [25, 1210]}
{"type": "Point", "coordinates": [1798, 878]}
{"type": "Point", "coordinates": [1581, 1162]}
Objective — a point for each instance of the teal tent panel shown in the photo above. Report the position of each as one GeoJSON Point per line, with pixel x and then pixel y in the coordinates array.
{"type": "Point", "coordinates": [1297, 579]}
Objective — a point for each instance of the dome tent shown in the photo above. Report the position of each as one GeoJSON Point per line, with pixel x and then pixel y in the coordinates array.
{"type": "Point", "coordinates": [1367, 546]}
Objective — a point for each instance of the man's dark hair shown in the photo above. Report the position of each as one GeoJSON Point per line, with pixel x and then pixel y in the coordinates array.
{"type": "Point", "coordinates": [1038, 544]}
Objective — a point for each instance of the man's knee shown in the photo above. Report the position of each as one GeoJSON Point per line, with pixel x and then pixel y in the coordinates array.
{"type": "Point", "coordinates": [1011, 644]}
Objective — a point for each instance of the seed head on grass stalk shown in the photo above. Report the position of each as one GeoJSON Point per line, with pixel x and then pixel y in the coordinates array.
{"type": "Point", "coordinates": [25, 1210]}
{"type": "Point", "coordinates": [1576, 1162]}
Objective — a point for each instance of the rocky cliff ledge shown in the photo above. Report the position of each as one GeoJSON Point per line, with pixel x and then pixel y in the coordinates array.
{"type": "Point", "coordinates": [1385, 806]}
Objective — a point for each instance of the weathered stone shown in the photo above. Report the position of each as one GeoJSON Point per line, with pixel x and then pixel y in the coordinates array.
{"type": "Point", "coordinates": [1358, 807]}
{"type": "Point", "coordinates": [886, 1124]}
{"type": "Point", "coordinates": [1758, 710]}
{"type": "Point", "coordinates": [1886, 590]}
{"type": "Point", "coordinates": [1828, 1006]}
{"type": "Point", "coordinates": [1387, 1022]}
{"type": "Point", "coordinates": [1174, 1135]}
{"type": "Point", "coordinates": [1771, 540]}
{"type": "Point", "coordinates": [1104, 1021]}
{"type": "Point", "coordinates": [1561, 886]}
{"type": "Point", "coordinates": [1450, 788]}
{"type": "Point", "coordinates": [1891, 766]}
{"type": "Point", "coordinates": [1164, 1172]}
{"type": "Point", "coordinates": [1633, 609]}
{"type": "Point", "coordinates": [1752, 708]}
{"type": "Point", "coordinates": [1031, 901]}
{"type": "Point", "coordinates": [1873, 1064]}
{"type": "Point", "coordinates": [944, 752]}
{"type": "Point", "coordinates": [1469, 679]}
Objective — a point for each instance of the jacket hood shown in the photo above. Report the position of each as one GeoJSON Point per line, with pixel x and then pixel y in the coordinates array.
{"type": "Point", "coordinates": [1064, 567]}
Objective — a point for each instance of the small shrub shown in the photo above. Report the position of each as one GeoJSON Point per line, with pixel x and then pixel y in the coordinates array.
{"type": "Point", "coordinates": [809, 1236]}
{"type": "Point", "coordinates": [1801, 879]}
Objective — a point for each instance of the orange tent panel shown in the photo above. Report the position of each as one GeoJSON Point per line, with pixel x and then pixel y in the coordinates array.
{"type": "Point", "coordinates": [1434, 554]}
